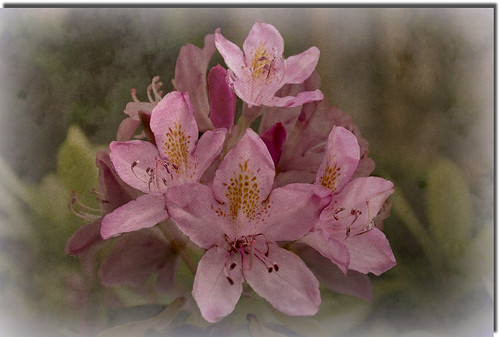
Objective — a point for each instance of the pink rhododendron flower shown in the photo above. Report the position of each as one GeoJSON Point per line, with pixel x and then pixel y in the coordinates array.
{"type": "Point", "coordinates": [346, 233]}
{"type": "Point", "coordinates": [178, 157]}
{"type": "Point", "coordinates": [305, 146]}
{"type": "Point", "coordinates": [239, 220]}
{"type": "Point", "coordinates": [259, 71]}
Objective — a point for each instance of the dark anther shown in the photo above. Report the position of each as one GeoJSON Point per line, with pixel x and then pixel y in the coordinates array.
{"type": "Point", "coordinates": [276, 267]}
{"type": "Point", "coordinates": [233, 265]}
{"type": "Point", "coordinates": [231, 282]}
{"type": "Point", "coordinates": [270, 269]}
{"type": "Point", "coordinates": [135, 163]}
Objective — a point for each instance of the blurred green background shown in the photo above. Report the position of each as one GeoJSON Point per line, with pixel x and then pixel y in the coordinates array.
{"type": "Point", "coordinates": [417, 81]}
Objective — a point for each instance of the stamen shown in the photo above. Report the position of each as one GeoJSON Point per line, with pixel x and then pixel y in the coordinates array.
{"type": "Point", "coordinates": [86, 214]}
{"type": "Point", "coordinates": [133, 93]}
{"type": "Point", "coordinates": [355, 213]}
{"type": "Point", "coordinates": [231, 282]}
{"type": "Point", "coordinates": [156, 85]}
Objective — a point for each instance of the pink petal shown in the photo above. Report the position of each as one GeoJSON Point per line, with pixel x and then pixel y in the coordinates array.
{"type": "Point", "coordinates": [353, 283]}
{"type": "Point", "coordinates": [274, 138]}
{"type": "Point", "coordinates": [222, 99]}
{"type": "Point", "coordinates": [208, 149]}
{"type": "Point", "coordinates": [190, 75]}
{"type": "Point", "coordinates": [126, 129]}
{"type": "Point", "coordinates": [134, 258]}
{"type": "Point", "coordinates": [292, 101]}
{"type": "Point", "coordinates": [232, 54]}
{"type": "Point", "coordinates": [215, 295]}
{"type": "Point", "coordinates": [146, 211]}
{"type": "Point", "coordinates": [244, 179]}
{"type": "Point", "coordinates": [330, 248]}
{"type": "Point", "coordinates": [83, 238]}
{"type": "Point", "coordinates": [175, 128]}
{"type": "Point", "coordinates": [113, 190]}
{"type": "Point", "coordinates": [300, 67]}
{"type": "Point", "coordinates": [294, 209]}
{"type": "Point", "coordinates": [288, 116]}
{"type": "Point", "coordinates": [193, 209]}
{"type": "Point", "coordinates": [131, 159]}
{"type": "Point", "coordinates": [132, 109]}
{"type": "Point", "coordinates": [370, 252]}
{"type": "Point", "coordinates": [266, 34]}
{"type": "Point", "coordinates": [340, 160]}
{"type": "Point", "coordinates": [292, 289]}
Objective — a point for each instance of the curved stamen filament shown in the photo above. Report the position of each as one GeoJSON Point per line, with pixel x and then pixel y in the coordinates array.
{"type": "Point", "coordinates": [84, 212]}
{"type": "Point", "coordinates": [133, 93]}
{"type": "Point", "coordinates": [155, 88]}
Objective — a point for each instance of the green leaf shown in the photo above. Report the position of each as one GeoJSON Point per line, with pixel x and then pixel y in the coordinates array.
{"type": "Point", "coordinates": [448, 207]}
{"type": "Point", "coordinates": [76, 166]}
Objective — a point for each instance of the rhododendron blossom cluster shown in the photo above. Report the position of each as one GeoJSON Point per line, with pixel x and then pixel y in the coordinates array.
{"type": "Point", "coordinates": [266, 207]}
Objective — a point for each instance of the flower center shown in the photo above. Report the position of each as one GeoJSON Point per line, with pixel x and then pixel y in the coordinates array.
{"type": "Point", "coordinates": [351, 217]}
{"type": "Point", "coordinates": [159, 177]}
{"type": "Point", "coordinates": [262, 63]}
{"type": "Point", "coordinates": [246, 248]}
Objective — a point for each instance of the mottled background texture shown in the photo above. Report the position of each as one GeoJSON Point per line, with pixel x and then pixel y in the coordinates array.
{"type": "Point", "coordinates": [417, 81]}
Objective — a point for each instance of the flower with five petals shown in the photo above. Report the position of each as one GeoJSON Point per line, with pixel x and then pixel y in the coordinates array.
{"type": "Point", "coordinates": [239, 220]}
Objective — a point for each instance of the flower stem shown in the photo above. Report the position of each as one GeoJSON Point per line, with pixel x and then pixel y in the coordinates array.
{"type": "Point", "coordinates": [404, 211]}
{"type": "Point", "coordinates": [179, 248]}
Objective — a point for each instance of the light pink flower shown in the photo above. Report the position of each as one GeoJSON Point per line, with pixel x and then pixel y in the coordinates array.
{"type": "Point", "coordinates": [346, 233]}
{"type": "Point", "coordinates": [259, 71]}
{"type": "Point", "coordinates": [178, 157]}
{"type": "Point", "coordinates": [239, 220]}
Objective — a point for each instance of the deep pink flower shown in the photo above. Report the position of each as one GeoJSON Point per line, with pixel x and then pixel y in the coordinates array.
{"type": "Point", "coordinates": [238, 220]}
{"type": "Point", "coordinates": [259, 71]}
{"type": "Point", "coordinates": [346, 233]}
{"type": "Point", "coordinates": [178, 157]}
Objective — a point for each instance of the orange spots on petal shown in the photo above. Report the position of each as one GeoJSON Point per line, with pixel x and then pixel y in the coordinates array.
{"type": "Point", "coordinates": [176, 147]}
{"type": "Point", "coordinates": [331, 176]}
{"type": "Point", "coordinates": [243, 194]}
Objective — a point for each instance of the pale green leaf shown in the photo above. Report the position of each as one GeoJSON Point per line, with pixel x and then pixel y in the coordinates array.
{"type": "Point", "coordinates": [448, 207]}
{"type": "Point", "coordinates": [76, 165]}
